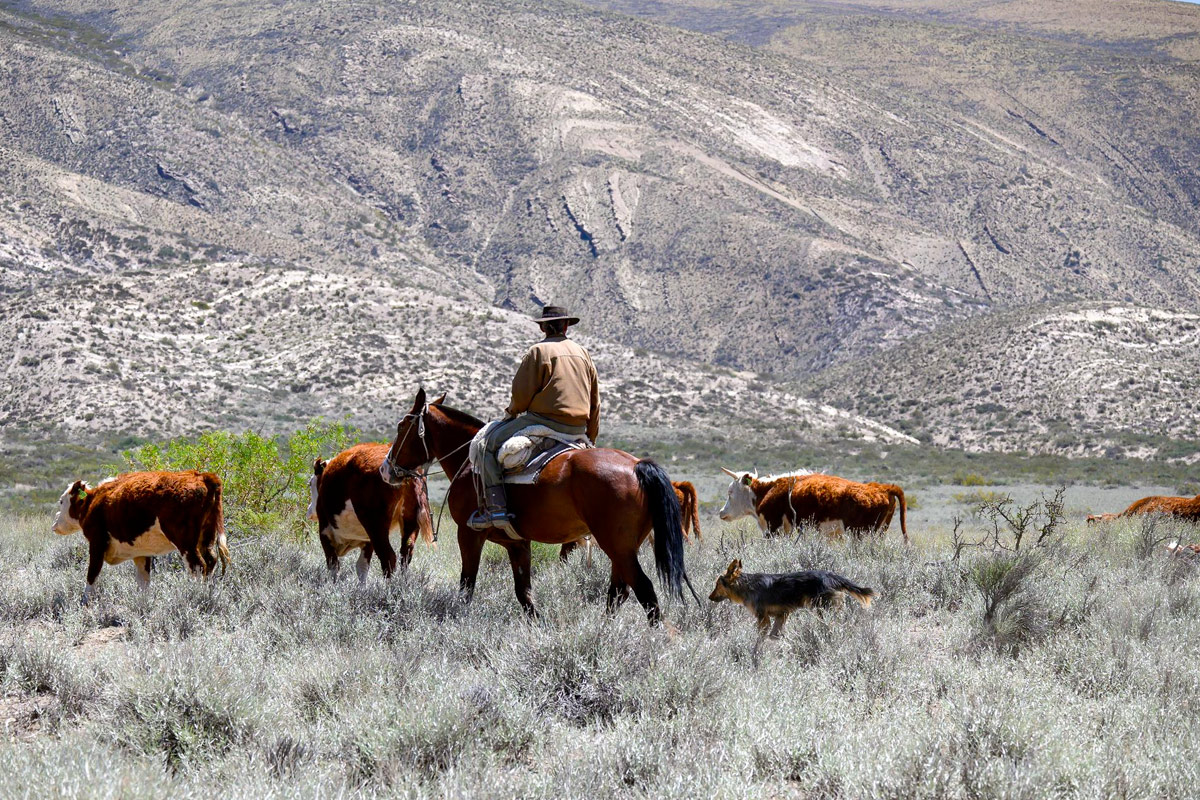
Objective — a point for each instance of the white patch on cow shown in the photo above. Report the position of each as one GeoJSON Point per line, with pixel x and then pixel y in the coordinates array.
{"type": "Point", "coordinates": [800, 473]}
{"type": "Point", "coordinates": [152, 542]}
{"type": "Point", "coordinates": [64, 523]}
{"type": "Point", "coordinates": [312, 498]}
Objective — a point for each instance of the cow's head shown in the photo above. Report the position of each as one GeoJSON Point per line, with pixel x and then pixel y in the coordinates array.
{"type": "Point", "coordinates": [741, 500]}
{"type": "Point", "coordinates": [721, 590]}
{"type": "Point", "coordinates": [70, 508]}
{"type": "Point", "coordinates": [318, 468]}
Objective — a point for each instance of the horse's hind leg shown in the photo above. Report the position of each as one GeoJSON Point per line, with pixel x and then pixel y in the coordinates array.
{"type": "Point", "coordinates": [630, 572]}
{"type": "Point", "coordinates": [470, 548]}
{"type": "Point", "coordinates": [618, 592]}
{"type": "Point", "coordinates": [520, 556]}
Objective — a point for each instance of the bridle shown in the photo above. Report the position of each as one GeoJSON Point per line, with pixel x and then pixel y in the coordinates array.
{"type": "Point", "coordinates": [418, 472]}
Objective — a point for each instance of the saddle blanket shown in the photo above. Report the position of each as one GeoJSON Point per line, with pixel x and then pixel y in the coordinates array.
{"type": "Point", "coordinates": [526, 454]}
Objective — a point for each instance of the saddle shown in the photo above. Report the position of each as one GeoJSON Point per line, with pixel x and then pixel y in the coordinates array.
{"type": "Point", "coordinates": [526, 454]}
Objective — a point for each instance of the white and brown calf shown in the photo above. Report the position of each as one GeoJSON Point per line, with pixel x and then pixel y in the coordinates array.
{"type": "Point", "coordinates": [141, 515]}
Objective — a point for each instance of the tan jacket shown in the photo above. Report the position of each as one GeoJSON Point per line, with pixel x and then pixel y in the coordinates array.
{"type": "Point", "coordinates": [557, 379]}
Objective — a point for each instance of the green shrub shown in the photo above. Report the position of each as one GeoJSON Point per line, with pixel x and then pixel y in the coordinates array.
{"type": "Point", "coordinates": [265, 479]}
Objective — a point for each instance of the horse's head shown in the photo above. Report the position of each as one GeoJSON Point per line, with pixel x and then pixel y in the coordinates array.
{"type": "Point", "coordinates": [410, 451]}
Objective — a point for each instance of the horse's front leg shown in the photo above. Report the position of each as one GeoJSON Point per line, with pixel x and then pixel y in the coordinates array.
{"type": "Point", "coordinates": [470, 548]}
{"type": "Point", "coordinates": [520, 555]}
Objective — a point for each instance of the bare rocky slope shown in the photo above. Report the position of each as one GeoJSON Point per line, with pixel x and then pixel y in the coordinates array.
{"type": "Point", "coordinates": [229, 212]}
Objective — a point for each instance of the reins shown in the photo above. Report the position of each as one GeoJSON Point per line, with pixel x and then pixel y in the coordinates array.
{"type": "Point", "coordinates": [419, 473]}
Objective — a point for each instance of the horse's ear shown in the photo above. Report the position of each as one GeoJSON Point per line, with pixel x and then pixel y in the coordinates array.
{"type": "Point", "coordinates": [419, 403]}
{"type": "Point", "coordinates": [438, 400]}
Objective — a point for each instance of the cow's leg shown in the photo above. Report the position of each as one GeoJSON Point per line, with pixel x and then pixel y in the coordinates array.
{"type": "Point", "coordinates": [565, 551]}
{"type": "Point", "coordinates": [408, 542]}
{"type": "Point", "coordinates": [520, 555]}
{"type": "Point", "coordinates": [377, 528]}
{"type": "Point", "coordinates": [470, 547]}
{"type": "Point", "coordinates": [832, 528]}
{"type": "Point", "coordinates": [331, 556]}
{"type": "Point", "coordinates": [364, 563]}
{"type": "Point", "coordinates": [97, 545]}
{"type": "Point", "coordinates": [144, 565]}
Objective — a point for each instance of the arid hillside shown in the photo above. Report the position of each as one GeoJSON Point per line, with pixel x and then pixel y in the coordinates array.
{"type": "Point", "coordinates": [769, 189]}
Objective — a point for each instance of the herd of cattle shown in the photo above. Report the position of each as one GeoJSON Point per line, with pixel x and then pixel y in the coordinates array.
{"type": "Point", "coordinates": [141, 515]}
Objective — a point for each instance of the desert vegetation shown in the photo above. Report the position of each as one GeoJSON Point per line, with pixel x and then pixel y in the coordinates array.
{"type": "Point", "coordinates": [1065, 664]}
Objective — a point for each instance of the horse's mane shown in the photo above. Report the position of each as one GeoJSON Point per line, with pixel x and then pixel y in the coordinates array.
{"type": "Point", "coordinates": [460, 416]}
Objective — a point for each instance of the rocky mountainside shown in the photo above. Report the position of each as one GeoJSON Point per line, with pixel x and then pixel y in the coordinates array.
{"type": "Point", "coordinates": [784, 189]}
{"type": "Point", "coordinates": [1080, 380]}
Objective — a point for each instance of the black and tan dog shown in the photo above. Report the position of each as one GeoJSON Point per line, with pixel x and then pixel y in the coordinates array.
{"type": "Point", "coordinates": [779, 595]}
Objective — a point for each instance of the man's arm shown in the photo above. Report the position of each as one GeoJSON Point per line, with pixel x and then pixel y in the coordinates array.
{"type": "Point", "coordinates": [593, 423]}
{"type": "Point", "coordinates": [526, 383]}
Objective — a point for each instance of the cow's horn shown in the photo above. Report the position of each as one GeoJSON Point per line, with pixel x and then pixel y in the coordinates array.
{"type": "Point", "coordinates": [730, 473]}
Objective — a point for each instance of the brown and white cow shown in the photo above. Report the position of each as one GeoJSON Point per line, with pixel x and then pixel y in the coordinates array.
{"type": "Point", "coordinates": [833, 504]}
{"type": "Point", "coordinates": [140, 515]}
{"type": "Point", "coordinates": [356, 509]}
{"type": "Point", "coordinates": [1183, 508]}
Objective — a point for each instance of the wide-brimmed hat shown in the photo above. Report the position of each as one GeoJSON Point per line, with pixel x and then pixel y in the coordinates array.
{"type": "Point", "coordinates": [552, 313]}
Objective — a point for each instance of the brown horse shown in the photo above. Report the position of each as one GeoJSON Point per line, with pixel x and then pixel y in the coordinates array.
{"type": "Point", "coordinates": [609, 494]}
{"type": "Point", "coordinates": [689, 505]}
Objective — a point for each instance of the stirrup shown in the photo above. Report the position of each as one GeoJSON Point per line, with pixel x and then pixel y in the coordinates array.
{"type": "Point", "coordinates": [482, 520]}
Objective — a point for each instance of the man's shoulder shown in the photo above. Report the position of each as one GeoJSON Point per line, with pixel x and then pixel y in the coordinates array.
{"type": "Point", "coordinates": [559, 347]}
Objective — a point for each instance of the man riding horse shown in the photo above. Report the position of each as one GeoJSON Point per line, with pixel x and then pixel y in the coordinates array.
{"type": "Point", "coordinates": [555, 387]}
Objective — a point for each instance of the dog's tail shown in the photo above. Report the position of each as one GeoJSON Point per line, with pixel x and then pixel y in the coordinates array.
{"type": "Point", "coordinates": [862, 594]}
{"type": "Point", "coordinates": [685, 492]}
{"type": "Point", "coordinates": [896, 493]}
{"type": "Point", "coordinates": [667, 522]}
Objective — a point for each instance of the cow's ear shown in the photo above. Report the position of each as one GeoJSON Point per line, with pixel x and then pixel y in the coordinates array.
{"type": "Point", "coordinates": [438, 400]}
{"type": "Point", "coordinates": [747, 479]}
{"type": "Point", "coordinates": [79, 490]}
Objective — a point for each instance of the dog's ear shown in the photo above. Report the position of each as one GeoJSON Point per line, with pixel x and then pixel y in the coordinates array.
{"type": "Point", "coordinates": [734, 568]}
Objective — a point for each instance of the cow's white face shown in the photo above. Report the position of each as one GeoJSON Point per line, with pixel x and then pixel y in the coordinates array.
{"type": "Point", "coordinates": [740, 499]}
{"type": "Point", "coordinates": [64, 523]}
{"type": "Point", "coordinates": [312, 497]}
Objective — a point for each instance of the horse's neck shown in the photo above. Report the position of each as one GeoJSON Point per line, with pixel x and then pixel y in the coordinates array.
{"type": "Point", "coordinates": [451, 448]}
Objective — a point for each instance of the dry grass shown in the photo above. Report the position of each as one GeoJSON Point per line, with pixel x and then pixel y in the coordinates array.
{"type": "Point", "coordinates": [1081, 681]}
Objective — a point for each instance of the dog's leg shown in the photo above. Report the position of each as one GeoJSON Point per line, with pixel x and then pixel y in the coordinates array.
{"type": "Point", "coordinates": [777, 629]}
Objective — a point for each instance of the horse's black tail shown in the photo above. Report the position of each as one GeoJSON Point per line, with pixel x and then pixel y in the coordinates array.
{"type": "Point", "coordinates": [668, 527]}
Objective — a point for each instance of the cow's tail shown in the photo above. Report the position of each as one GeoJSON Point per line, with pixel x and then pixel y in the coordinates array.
{"type": "Point", "coordinates": [424, 517]}
{"type": "Point", "coordinates": [689, 507]}
{"type": "Point", "coordinates": [896, 492]}
{"type": "Point", "coordinates": [215, 516]}
{"type": "Point", "coordinates": [667, 521]}
{"type": "Point", "coordinates": [862, 594]}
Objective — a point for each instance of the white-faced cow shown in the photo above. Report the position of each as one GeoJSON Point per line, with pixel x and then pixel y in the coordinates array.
{"type": "Point", "coordinates": [1186, 509]}
{"type": "Point", "coordinates": [355, 509]}
{"type": "Point", "coordinates": [145, 514]}
{"type": "Point", "coordinates": [833, 504]}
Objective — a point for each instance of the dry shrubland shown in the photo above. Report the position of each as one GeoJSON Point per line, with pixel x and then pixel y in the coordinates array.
{"type": "Point", "coordinates": [1072, 672]}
